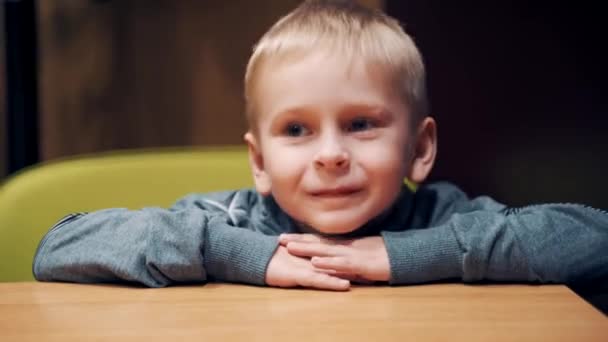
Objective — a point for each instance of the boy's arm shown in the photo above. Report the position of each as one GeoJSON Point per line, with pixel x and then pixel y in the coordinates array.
{"type": "Point", "coordinates": [154, 247]}
{"type": "Point", "coordinates": [482, 240]}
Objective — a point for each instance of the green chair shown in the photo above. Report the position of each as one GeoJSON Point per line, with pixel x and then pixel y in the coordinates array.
{"type": "Point", "coordinates": [36, 198]}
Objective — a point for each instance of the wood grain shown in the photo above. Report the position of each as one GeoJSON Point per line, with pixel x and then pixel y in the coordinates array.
{"type": "Point", "coordinates": [133, 73]}
{"type": "Point", "coordinates": [138, 73]}
{"type": "Point", "coordinates": [71, 312]}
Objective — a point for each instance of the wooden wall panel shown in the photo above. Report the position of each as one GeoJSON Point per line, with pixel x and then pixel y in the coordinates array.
{"type": "Point", "coordinates": [138, 73]}
{"type": "Point", "coordinates": [80, 106]}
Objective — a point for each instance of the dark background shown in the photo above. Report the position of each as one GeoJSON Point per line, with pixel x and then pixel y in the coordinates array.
{"type": "Point", "coordinates": [518, 88]}
{"type": "Point", "coordinates": [519, 92]}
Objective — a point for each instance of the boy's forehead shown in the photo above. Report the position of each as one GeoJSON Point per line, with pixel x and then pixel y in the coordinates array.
{"type": "Point", "coordinates": [308, 79]}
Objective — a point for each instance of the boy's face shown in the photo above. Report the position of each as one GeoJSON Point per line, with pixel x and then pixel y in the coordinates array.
{"type": "Point", "coordinates": [332, 142]}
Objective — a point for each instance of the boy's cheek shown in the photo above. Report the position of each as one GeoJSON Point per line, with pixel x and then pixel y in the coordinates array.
{"type": "Point", "coordinates": [382, 156]}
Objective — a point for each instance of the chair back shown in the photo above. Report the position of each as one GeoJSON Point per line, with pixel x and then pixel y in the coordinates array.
{"type": "Point", "coordinates": [36, 198]}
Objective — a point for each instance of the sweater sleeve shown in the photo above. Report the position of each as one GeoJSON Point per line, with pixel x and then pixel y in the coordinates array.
{"type": "Point", "coordinates": [479, 239]}
{"type": "Point", "coordinates": [153, 247]}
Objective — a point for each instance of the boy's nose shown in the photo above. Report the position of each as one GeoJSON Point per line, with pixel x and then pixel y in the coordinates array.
{"type": "Point", "coordinates": [332, 155]}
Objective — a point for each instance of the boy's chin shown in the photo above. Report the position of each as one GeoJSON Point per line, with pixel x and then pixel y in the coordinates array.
{"type": "Point", "coordinates": [333, 226]}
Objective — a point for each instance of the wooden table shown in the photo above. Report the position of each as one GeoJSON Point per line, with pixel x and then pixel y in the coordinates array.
{"type": "Point", "coordinates": [220, 312]}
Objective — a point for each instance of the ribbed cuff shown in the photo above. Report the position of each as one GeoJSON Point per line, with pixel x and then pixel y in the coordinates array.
{"type": "Point", "coordinates": [238, 255]}
{"type": "Point", "coordinates": [423, 255]}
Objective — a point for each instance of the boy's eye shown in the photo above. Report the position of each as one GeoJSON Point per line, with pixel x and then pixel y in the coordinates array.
{"type": "Point", "coordinates": [360, 124]}
{"type": "Point", "coordinates": [296, 130]}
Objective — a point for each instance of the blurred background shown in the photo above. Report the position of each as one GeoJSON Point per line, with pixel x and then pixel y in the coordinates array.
{"type": "Point", "coordinates": [518, 87]}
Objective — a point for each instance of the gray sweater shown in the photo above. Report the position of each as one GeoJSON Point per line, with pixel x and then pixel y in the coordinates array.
{"type": "Point", "coordinates": [437, 233]}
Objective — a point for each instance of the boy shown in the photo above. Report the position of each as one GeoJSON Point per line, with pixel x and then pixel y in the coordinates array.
{"type": "Point", "coordinates": [338, 118]}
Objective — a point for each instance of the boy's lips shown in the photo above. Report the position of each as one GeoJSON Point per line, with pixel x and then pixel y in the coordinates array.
{"type": "Point", "coordinates": [336, 192]}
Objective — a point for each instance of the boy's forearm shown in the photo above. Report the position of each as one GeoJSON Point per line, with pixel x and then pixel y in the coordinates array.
{"type": "Point", "coordinates": [549, 243]}
{"type": "Point", "coordinates": [565, 243]}
{"type": "Point", "coordinates": [237, 255]}
{"type": "Point", "coordinates": [153, 247]}
{"type": "Point", "coordinates": [423, 255]}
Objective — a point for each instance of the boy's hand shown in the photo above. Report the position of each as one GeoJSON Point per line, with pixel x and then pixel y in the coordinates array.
{"type": "Point", "coordinates": [365, 258]}
{"type": "Point", "coordinates": [287, 270]}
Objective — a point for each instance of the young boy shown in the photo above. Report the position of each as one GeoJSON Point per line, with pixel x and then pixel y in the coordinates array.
{"type": "Point", "coordinates": [338, 119]}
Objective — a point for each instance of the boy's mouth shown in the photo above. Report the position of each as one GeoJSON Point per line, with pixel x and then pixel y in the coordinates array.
{"type": "Point", "coordinates": [336, 192]}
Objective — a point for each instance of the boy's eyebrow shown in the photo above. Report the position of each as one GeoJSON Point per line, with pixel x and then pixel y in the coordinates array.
{"type": "Point", "coordinates": [291, 111]}
{"type": "Point", "coordinates": [376, 109]}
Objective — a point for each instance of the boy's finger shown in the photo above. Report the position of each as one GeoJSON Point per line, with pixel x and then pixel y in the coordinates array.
{"type": "Point", "coordinates": [323, 281]}
{"type": "Point", "coordinates": [339, 264]}
{"type": "Point", "coordinates": [334, 273]}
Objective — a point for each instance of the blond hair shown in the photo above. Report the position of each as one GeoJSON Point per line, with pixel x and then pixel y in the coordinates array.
{"type": "Point", "coordinates": [354, 31]}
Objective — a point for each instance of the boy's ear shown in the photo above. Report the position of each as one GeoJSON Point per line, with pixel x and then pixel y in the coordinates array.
{"type": "Point", "coordinates": [425, 149]}
{"type": "Point", "coordinates": [256, 162]}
